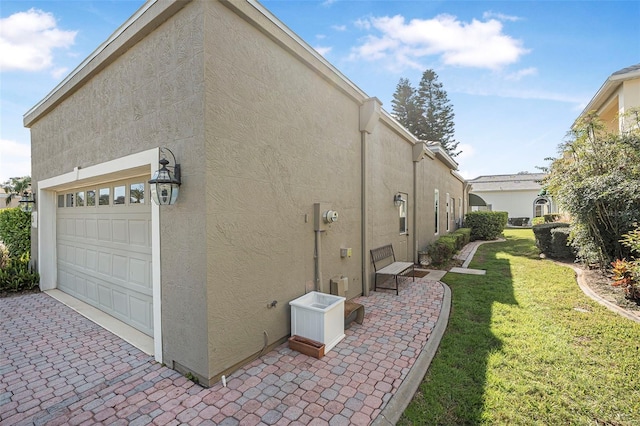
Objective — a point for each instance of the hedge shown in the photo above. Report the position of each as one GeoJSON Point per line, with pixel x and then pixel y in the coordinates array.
{"type": "Point", "coordinates": [560, 248]}
{"type": "Point", "coordinates": [443, 249]}
{"type": "Point", "coordinates": [550, 242]}
{"type": "Point", "coordinates": [486, 225]}
{"type": "Point", "coordinates": [15, 231]}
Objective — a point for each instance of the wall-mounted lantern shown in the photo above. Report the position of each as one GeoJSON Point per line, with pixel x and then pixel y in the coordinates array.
{"type": "Point", "coordinates": [27, 202]}
{"type": "Point", "coordinates": [397, 200]}
{"type": "Point", "coordinates": [164, 183]}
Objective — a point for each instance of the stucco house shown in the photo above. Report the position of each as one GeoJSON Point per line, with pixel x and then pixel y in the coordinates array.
{"type": "Point", "coordinates": [521, 195]}
{"type": "Point", "coordinates": [268, 135]}
{"type": "Point", "coordinates": [619, 94]}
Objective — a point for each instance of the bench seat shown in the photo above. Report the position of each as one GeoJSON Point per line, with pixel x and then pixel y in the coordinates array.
{"type": "Point", "coordinates": [385, 254]}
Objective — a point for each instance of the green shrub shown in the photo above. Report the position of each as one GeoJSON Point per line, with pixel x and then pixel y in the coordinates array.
{"type": "Point", "coordinates": [544, 237]}
{"type": "Point", "coordinates": [537, 220]}
{"type": "Point", "coordinates": [486, 225]}
{"type": "Point", "coordinates": [15, 231]}
{"type": "Point", "coordinates": [560, 247]}
{"type": "Point", "coordinates": [553, 217]}
{"type": "Point", "coordinates": [463, 237]}
{"type": "Point", "coordinates": [518, 221]}
{"type": "Point", "coordinates": [442, 249]}
{"type": "Point", "coordinates": [16, 276]}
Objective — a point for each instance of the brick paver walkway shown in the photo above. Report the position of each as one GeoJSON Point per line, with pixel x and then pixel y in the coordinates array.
{"type": "Point", "coordinates": [57, 367]}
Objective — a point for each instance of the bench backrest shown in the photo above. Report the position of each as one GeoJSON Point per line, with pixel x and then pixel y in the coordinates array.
{"type": "Point", "coordinates": [382, 253]}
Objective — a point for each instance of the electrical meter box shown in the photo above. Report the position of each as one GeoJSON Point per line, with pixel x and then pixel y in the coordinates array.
{"type": "Point", "coordinates": [323, 216]}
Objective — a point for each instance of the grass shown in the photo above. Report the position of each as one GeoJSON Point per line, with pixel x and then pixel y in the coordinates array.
{"type": "Point", "coordinates": [524, 346]}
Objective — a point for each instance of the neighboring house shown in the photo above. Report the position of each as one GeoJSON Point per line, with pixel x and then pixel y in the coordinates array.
{"type": "Point", "coordinates": [264, 128]}
{"type": "Point", "coordinates": [618, 95]}
{"type": "Point", "coordinates": [521, 195]}
{"type": "Point", "coordinates": [15, 201]}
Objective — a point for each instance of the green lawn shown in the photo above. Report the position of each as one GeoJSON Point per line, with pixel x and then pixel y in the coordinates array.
{"type": "Point", "coordinates": [524, 346]}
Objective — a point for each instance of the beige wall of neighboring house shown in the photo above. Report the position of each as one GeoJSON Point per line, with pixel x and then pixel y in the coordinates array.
{"type": "Point", "coordinates": [618, 95]}
{"type": "Point", "coordinates": [263, 128]}
{"type": "Point", "coordinates": [15, 201]}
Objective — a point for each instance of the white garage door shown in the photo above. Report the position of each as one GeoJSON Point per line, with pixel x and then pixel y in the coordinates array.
{"type": "Point", "coordinates": [104, 249]}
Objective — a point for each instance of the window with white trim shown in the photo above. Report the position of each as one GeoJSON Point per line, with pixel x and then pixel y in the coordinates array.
{"type": "Point", "coordinates": [436, 205]}
{"type": "Point", "coordinates": [402, 213]}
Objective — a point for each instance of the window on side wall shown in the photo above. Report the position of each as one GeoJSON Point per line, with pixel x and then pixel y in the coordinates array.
{"type": "Point", "coordinates": [436, 204]}
{"type": "Point", "coordinates": [447, 211]}
{"type": "Point", "coordinates": [402, 213]}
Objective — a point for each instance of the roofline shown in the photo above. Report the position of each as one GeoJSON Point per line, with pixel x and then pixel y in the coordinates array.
{"type": "Point", "coordinates": [154, 12]}
{"type": "Point", "coordinates": [508, 174]}
{"type": "Point", "coordinates": [441, 154]}
{"type": "Point", "coordinates": [611, 84]}
{"type": "Point", "coordinates": [134, 29]}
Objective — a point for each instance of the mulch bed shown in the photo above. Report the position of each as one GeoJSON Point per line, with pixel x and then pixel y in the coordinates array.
{"type": "Point", "coordinates": [4, 293]}
{"type": "Point", "coordinates": [600, 283]}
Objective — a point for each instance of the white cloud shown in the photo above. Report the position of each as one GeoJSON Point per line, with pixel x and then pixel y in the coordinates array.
{"type": "Point", "coordinates": [518, 75]}
{"type": "Point", "coordinates": [321, 36]}
{"type": "Point", "coordinates": [362, 23]}
{"type": "Point", "coordinates": [15, 159]}
{"type": "Point", "coordinates": [27, 40]}
{"type": "Point", "coordinates": [323, 50]}
{"type": "Point", "coordinates": [339, 27]}
{"type": "Point", "coordinates": [328, 3]}
{"type": "Point", "coordinates": [473, 44]}
{"type": "Point", "coordinates": [500, 16]}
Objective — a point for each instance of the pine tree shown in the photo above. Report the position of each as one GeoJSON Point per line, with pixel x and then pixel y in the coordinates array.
{"type": "Point", "coordinates": [436, 113]}
{"type": "Point", "coordinates": [426, 112]}
{"type": "Point", "coordinates": [404, 105]}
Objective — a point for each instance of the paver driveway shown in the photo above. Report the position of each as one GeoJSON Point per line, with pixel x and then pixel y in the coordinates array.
{"type": "Point", "coordinates": [58, 367]}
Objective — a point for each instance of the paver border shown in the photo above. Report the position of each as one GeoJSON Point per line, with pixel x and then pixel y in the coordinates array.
{"type": "Point", "coordinates": [403, 396]}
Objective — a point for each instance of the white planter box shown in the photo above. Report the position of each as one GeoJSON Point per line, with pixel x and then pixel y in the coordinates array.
{"type": "Point", "coordinates": [318, 316]}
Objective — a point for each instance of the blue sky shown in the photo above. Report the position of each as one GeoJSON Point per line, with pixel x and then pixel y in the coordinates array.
{"type": "Point", "coordinates": [517, 73]}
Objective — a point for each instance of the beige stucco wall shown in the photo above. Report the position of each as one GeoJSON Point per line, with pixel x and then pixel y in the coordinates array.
{"type": "Point", "coordinates": [263, 129]}
{"type": "Point", "coordinates": [433, 174]}
{"type": "Point", "coordinates": [390, 172]}
{"type": "Point", "coordinates": [279, 138]}
{"type": "Point", "coordinates": [151, 96]}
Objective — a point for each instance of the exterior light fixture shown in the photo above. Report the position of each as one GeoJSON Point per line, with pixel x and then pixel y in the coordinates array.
{"type": "Point", "coordinates": [27, 202]}
{"type": "Point", "coordinates": [397, 200]}
{"type": "Point", "coordinates": [164, 183]}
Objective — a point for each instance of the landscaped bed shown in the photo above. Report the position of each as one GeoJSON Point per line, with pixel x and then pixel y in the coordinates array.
{"type": "Point", "coordinates": [524, 345]}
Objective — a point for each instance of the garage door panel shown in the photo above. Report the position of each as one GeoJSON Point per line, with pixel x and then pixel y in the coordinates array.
{"type": "Point", "coordinates": [104, 229]}
{"type": "Point", "coordinates": [91, 263]}
{"type": "Point", "coordinates": [104, 263]}
{"type": "Point", "coordinates": [119, 231]}
{"type": "Point", "coordinates": [104, 258]}
{"type": "Point", "coordinates": [92, 291]}
{"type": "Point", "coordinates": [79, 225]}
{"type": "Point", "coordinates": [138, 232]}
{"type": "Point", "coordinates": [91, 228]}
{"type": "Point", "coordinates": [138, 272]}
{"type": "Point", "coordinates": [120, 302]}
{"type": "Point", "coordinates": [104, 296]}
{"type": "Point", "coordinates": [80, 258]}
{"type": "Point", "coordinates": [120, 267]}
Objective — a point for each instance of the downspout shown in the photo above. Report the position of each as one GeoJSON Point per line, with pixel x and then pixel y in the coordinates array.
{"type": "Point", "coordinates": [318, 263]}
{"type": "Point", "coordinates": [414, 232]}
{"type": "Point", "coordinates": [420, 151]}
{"type": "Point", "coordinates": [369, 117]}
{"type": "Point", "coordinates": [363, 213]}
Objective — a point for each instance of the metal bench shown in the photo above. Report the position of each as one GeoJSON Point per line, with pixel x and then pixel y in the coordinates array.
{"type": "Point", "coordinates": [379, 256]}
